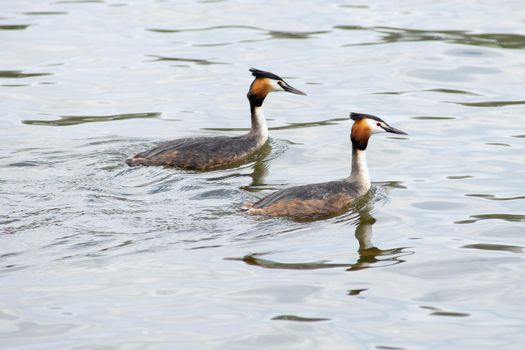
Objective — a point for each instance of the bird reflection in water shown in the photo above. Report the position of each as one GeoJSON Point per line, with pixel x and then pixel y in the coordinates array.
{"type": "Point", "coordinates": [369, 255]}
{"type": "Point", "coordinates": [259, 169]}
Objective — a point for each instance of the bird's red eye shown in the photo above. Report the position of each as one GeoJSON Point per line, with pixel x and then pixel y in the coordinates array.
{"type": "Point", "coordinates": [378, 124]}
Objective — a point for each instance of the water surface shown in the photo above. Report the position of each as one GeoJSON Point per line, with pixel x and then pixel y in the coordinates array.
{"type": "Point", "coordinates": [96, 255]}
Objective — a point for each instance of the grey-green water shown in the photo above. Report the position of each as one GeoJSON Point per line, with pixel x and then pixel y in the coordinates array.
{"type": "Point", "coordinates": [96, 255]}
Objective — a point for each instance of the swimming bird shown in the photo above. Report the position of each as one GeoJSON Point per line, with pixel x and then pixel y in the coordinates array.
{"type": "Point", "coordinates": [204, 153]}
{"type": "Point", "coordinates": [329, 198]}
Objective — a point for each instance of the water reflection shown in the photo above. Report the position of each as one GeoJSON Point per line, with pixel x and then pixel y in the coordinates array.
{"type": "Point", "coordinates": [44, 13]}
{"type": "Point", "coordinates": [391, 184]}
{"type": "Point", "coordinates": [369, 255]}
{"type": "Point", "coordinates": [79, 2]}
{"type": "Point", "coordinates": [490, 103]}
{"type": "Point", "coordinates": [198, 61]}
{"type": "Point", "coordinates": [298, 318]}
{"type": "Point", "coordinates": [259, 169]}
{"type": "Point", "coordinates": [19, 74]}
{"type": "Point", "coordinates": [273, 34]}
{"type": "Point", "coordinates": [439, 90]}
{"type": "Point", "coordinates": [434, 311]}
{"type": "Point", "coordinates": [14, 26]}
{"type": "Point", "coordinates": [395, 35]}
{"type": "Point", "coordinates": [495, 247]}
{"type": "Point", "coordinates": [504, 217]}
{"type": "Point", "coordinates": [81, 119]}
{"type": "Point", "coordinates": [493, 197]}
{"type": "Point", "coordinates": [425, 117]}
{"type": "Point", "coordinates": [289, 126]}
{"type": "Point", "coordinates": [157, 30]}
{"type": "Point", "coordinates": [294, 35]}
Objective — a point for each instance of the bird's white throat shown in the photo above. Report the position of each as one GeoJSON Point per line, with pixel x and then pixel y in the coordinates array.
{"type": "Point", "coordinates": [359, 169]}
{"type": "Point", "coordinates": [259, 127]}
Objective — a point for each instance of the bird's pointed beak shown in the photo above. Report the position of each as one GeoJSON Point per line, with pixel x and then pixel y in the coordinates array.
{"type": "Point", "coordinates": [287, 87]}
{"type": "Point", "coordinates": [388, 128]}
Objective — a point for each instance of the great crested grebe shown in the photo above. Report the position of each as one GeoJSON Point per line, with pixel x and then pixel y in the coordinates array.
{"type": "Point", "coordinates": [203, 153]}
{"type": "Point", "coordinates": [328, 198]}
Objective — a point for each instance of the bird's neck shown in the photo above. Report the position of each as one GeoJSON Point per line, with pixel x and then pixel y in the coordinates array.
{"type": "Point", "coordinates": [359, 172]}
{"type": "Point", "coordinates": [259, 128]}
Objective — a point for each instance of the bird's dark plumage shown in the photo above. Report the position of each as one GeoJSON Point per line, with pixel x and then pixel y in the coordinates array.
{"type": "Point", "coordinates": [358, 116]}
{"type": "Point", "coordinates": [199, 153]}
{"type": "Point", "coordinates": [308, 201]}
{"type": "Point", "coordinates": [263, 74]}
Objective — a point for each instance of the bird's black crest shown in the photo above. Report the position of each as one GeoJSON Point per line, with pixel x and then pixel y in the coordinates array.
{"type": "Point", "coordinates": [262, 74]}
{"type": "Point", "coordinates": [359, 116]}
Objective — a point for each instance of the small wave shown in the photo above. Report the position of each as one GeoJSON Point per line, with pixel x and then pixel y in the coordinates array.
{"type": "Point", "coordinates": [77, 119]}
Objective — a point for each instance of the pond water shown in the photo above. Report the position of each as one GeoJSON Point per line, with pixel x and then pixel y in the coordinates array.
{"type": "Point", "coordinates": [97, 255]}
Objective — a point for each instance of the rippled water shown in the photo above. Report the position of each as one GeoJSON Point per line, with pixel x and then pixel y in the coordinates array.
{"type": "Point", "coordinates": [96, 255]}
